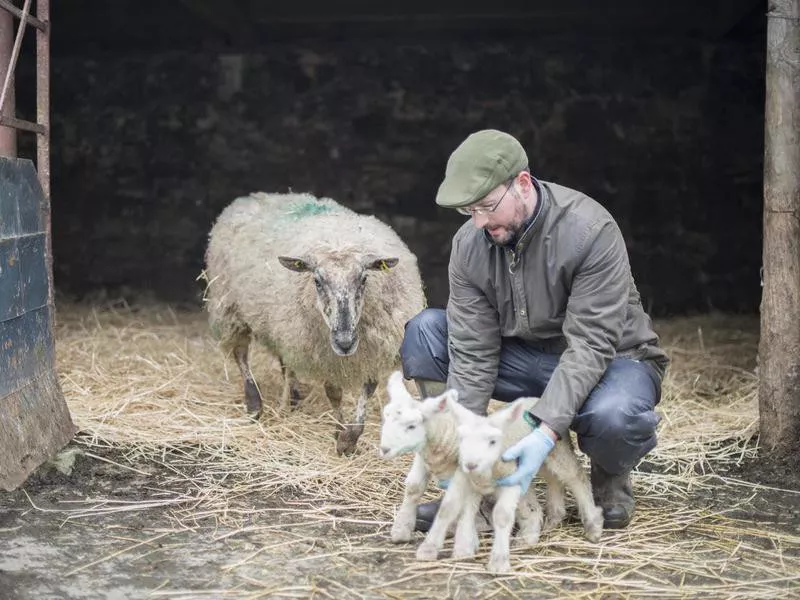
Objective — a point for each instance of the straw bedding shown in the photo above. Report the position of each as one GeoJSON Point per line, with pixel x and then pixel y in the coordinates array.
{"type": "Point", "coordinates": [148, 381]}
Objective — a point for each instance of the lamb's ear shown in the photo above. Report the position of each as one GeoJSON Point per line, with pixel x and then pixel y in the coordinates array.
{"type": "Point", "coordinates": [296, 264]}
{"type": "Point", "coordinates": [397, 390]}
{"type": "Point", "coordinates": [507, 414]}
{"type": "Point", "coordinates": [380, 264]}
{"type": "Point", "coordinates": [461, 412]}
{"type": "Point", "coordinates": [437, 404]}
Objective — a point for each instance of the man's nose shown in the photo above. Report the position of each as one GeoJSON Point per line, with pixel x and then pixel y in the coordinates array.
{"type": "Point", "coordinates": [480, 221]}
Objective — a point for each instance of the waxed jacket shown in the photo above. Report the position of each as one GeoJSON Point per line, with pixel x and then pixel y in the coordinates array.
{"type": "Point", "coordinates": [564, 287]}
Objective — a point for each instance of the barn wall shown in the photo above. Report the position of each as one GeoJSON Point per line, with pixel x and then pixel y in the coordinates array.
{"type": "Point", "coordinates": [148, 148]}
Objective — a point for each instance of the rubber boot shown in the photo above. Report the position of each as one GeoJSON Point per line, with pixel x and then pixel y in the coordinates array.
{"type": "Point", "coordinates": [614, 494]}
{"type": "Point", "coordinates": [428, 388]}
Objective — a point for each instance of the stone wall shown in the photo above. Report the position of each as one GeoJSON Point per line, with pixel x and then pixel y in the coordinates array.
{"type": "Point", "coordinates": [148, 148]}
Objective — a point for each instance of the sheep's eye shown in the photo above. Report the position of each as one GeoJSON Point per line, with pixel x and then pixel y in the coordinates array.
{"type": "Point", "coordinates": [411, 427]}
{"type": "Point", "coordinates": [318, 283]}
{"type": "Point", "coordinates": [364, 279]}
{"type": "Point", "coordinates": [492, 442]}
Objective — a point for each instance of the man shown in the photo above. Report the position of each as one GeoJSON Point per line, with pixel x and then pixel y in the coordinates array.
{"type": "Point", "coordinates": [542, 303]}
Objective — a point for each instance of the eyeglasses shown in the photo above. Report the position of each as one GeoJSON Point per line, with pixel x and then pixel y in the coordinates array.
{"type": "Point", "coordinates": [472, 211]}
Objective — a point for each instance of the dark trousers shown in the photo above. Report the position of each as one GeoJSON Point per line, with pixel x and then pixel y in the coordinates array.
{"type": "Point", "coordinates": [616, 426]}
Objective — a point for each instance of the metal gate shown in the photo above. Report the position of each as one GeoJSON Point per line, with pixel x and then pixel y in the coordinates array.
{"type": "Point", "coordinates": [34, 420]}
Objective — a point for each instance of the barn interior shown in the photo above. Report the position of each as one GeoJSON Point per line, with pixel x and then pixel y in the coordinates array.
{"type": "Point", "coordinates": [163, 112]}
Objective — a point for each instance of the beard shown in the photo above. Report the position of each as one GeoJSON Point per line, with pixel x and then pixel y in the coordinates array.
{"type": "Point", "coordinates": [508, 234]}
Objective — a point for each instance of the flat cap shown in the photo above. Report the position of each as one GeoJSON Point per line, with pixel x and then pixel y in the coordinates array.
{"type": "Point", "coordinates": [481, 162]}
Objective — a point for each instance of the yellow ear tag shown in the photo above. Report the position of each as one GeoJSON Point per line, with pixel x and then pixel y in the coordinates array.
{"type": "Point", "coordinates": [298, 264]}
{"type": "Point", "coordinates": [384, 266]}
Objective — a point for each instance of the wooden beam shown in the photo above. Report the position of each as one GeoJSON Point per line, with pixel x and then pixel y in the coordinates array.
{"type": "Point", "coordinates": [779, 347]}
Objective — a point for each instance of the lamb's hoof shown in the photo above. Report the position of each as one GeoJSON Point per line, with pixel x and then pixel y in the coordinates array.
{"type": "Point", "coordinates": [347, 438]}
{"type": "Point", "coordinates": [526, 539]}
{"type": "Point", "coordinates": [593, 529]}
{"type": "Point", "coordinates": [427, 551]}
{"type": "Point", "coordinates": [553, 521]}
{"type": "Point", "coordinates": [401, 533]}
{"type": "Point", "coordinates": [498, 564]}
{"type": "Point", "coordinates": [463, 553]}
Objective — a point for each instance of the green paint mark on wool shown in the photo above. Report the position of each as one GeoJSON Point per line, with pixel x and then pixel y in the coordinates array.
{"type": "Point", "coordinates": [311, 208]}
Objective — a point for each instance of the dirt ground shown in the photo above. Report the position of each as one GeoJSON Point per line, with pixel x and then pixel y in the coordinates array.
{"type": "Point", "coordinates": [124, 525]}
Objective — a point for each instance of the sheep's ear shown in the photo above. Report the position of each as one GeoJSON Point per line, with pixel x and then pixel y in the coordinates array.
{"type": "Point", "coordinates": [295, 264]}
{"type": "Point", "coordinates": [380, 264]}
{"type": "Point", "coordinates": [437, 404]}
{"type": "Point", "coordinates": [508, 414]}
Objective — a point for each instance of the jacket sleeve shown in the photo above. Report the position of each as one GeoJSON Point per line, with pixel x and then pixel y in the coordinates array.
{"type": "Point", "coordinates": [592, 326]}
{"type": "Point", "coordinates": [473, 339]}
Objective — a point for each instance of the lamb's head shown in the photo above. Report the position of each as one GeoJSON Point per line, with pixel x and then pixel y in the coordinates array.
{"type": "Point", "coordinates": [404, 418]}
{"type": "Point", "coordinates": [340, 279]}
{"type": "Point", "coordinates": [480, 439]}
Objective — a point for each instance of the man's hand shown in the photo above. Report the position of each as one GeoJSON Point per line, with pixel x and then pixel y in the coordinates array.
{"type": "Point", "coordinates": [530, 452]}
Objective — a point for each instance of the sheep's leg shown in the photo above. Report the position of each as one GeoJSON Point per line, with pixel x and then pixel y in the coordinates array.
{"type": "Point", "coordinates": [458, 493]}
{"type": "Point", "coordinates": [503, 519]}
{"type": "Point", "coordinates": [405, 519]}
{"type": "Point", "coordinates": [348, 436]}
{"type": "Point", "coordinates": [466, 542]}
{"type": "Point", "coordinates": [292, 394]}
{"type": "Point", "coordinates": [251, 395]}
{"type": "Point", "coordinates": [555, 501]}
{"type": "Point", "coordinates": [529, 518]}
{"type": "Point", "coordinates": [334, 394]}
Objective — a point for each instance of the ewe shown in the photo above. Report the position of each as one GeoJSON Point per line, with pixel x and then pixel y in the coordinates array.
{"type": "Point", "coordinates": [326, 290]}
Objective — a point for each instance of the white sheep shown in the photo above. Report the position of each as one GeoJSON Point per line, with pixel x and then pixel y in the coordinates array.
{"type": "Point", "coordinates": [482, 441]}
{"type": "Point", "coordinates": [427, 429]}
{"type": "Point", "coordinates": [326, 290]}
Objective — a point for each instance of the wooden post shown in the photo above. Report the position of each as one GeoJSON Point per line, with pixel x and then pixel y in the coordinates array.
{"type": "Point", "coordinates": [779, 348]}
{"type": "Point", "coordinates": [8, 135]}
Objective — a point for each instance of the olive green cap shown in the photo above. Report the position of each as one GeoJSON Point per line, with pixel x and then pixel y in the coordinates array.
{"type": "Point", "coordinates": [481, 162]}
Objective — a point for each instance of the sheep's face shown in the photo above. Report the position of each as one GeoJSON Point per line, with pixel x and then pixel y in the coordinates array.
{"type": "Point", "coordinates": [402, 429]}
{"type": "Point", "coordinates": [341, 284]}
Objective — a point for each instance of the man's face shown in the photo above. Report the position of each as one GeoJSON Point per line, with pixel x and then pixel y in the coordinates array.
{"type": "Point", "coordinates": [505, 221]}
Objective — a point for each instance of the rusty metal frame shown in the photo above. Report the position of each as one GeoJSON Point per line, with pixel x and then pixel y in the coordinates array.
{"type": "Point", "coordinates": [41, 22]}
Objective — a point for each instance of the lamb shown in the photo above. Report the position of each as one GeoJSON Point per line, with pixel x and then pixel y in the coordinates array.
{"type": "Point", "coordinates": [426, 428]}
{"type": "Point", "coordinates": [326, 290]}
{"type": "Point", "coordinates": [482, 441]}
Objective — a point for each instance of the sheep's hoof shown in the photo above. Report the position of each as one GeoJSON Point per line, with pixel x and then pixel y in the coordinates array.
{"type": "Point", "coordinates": [427, 551]}
{"type": "Point", "coordinates": [593, 528]}
{"type": "Point", "coordinates": [347, 438]}
{"type": "Point", "coordinates": [499, 563]}
{"type": "Point", "coordinates": [526, 539]}
{"type": "Point", "coordinates": [252, 400]}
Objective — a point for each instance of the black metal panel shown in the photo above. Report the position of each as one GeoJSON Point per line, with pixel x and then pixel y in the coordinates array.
{"type": "Point", "coordinates": [11, 294]}
{"type": "Point", "coordinates": [33, 270]}
{"type": "Point", "coordinates": [20, 187]}
{"type": "Point", "coordinates": [26, 348]}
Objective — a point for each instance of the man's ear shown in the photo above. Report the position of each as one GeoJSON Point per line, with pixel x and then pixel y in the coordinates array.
{"type": "Point", "coordinates": [296, 264]}
{"type": "Point", "coordinates": [380, 264]}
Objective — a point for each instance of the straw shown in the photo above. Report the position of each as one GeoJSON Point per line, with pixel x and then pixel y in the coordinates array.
{"type": "Point", "coordinates": [151, 393]}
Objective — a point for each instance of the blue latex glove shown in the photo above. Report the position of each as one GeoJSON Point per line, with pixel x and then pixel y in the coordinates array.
{"type": "Point", "coordinates": [529, 453]}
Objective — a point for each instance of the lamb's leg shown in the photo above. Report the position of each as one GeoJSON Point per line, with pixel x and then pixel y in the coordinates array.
{"type": "Point", "coordinates": [405, 519]}
{"type": "Point", "coordinates": [569, 470]}
{"type": "Point", "coordinates": [503, 519]}
{"type": "Point", "coordinates": [251, 395]}
{"type": "Point", "coordinates": [529, 519]}
{"type": "Point", "coordinates": [457, 494]}
{"type": "Point", "coordinates": [348, 437]}
{"type": "Point", "coordinates": [466, 542]}
{"type": "Point", "coordinates": [555, 500]}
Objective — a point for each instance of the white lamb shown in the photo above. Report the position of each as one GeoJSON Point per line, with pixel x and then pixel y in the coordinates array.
{"type": "Point", "coordinates": [325, 289]}
{"type": "Point", "coordinates": [429, 430]}
{"type": "Point", "coordinates": [482, 441]}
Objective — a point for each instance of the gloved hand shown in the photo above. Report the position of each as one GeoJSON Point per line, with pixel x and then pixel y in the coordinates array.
{"type": "Point", "coordinates": [443, 483]}
{"type": "Point", "coordinates": [530, 452]}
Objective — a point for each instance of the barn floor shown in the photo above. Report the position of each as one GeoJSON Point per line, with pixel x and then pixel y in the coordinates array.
{"type": "Point", "coordinates": [167, 492]}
